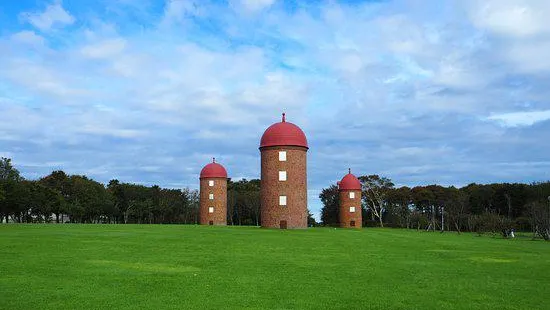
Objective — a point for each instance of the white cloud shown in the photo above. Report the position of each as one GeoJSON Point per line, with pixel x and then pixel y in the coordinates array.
{"type": "Point", "coordinates": [460, 71]}
{"type": "Point", "coordinates": [402, 35]}
{"type": "Point", "coordinates": [530, 56]}
{"type": "Point", "coordinates": [517, 119]}
{"type": "Point", "coordinates": [104, 49]}
{"type": "Point", "coordinates": [39, 77]}
{"type": "Point", "coordinates": [178, 10]}
{"type": "Point", "coordinates": [28, 37]}
{"type": "Point", "coordinates": [517, 30]}
{"type": "Point", "coordinates": [54, 15]}
{"type": "Point", "coordinates": [115, 132]}
{"type": "Point", "coordinates": [49, 164]}
{"type": "Point", "coordinates": [518, 18]}
{"type": "Point", "coordinates": [252, 6]}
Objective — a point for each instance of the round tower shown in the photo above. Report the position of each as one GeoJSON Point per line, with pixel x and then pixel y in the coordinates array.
{"type": "Point", "coordinates": [213, 194]}
{"type": "Point", "coordinates": [350, 202]}
{"type": "Point", "coordinates": [283, 149]}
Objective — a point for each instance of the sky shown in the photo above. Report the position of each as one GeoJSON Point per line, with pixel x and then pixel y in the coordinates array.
{"type": "Point", "coordinates": [148, 91]}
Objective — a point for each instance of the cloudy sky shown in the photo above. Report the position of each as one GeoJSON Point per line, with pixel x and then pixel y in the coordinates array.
{"type": "Point", "coordinates": [147, 91]}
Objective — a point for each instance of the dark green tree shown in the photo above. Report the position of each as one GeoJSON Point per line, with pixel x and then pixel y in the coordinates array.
{"type": "Point", "coordinates": [243, 203]}
{"type": "Point", "coordinates": [61, 184]}
{"type": "Point", "coordinates": [330, 199]}
{"type": "Point", "coordinates": [310, 219]}
{"type": "Point", "coordinates": [9, 179]}
{"type": "Point", "coordinates": [399, 206]}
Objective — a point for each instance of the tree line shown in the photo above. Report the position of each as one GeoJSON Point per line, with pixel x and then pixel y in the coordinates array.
{"type": "Point", "coordinates": [59, 197]}
{"type": "Point", "coordinates": [498, 208]}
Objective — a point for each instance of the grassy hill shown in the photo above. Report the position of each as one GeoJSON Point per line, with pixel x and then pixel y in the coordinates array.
{"type": "Point", "coordinates": [181, 267]}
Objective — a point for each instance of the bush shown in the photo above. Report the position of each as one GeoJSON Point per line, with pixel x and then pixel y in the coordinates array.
{"type": "Point", "coordinates": [540, 218]}
{"type": "Point", "coordinates": [492, 223]}
{"type": "Point", "coordinates": [523, 223]}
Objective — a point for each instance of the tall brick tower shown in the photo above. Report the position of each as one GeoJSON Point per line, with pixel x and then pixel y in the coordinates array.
{"type": "Point", "coordinates": [213, 194]}
{"type": "Point", "coordinates": [350, 202]}
{"type": "Point", "coordinates": [283, 149]}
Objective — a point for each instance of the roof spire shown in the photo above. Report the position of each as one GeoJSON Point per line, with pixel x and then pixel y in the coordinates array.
{"type": "Point", "coordinates": [214, 159]}
{"type": "Point", "coordinates": [284, 117]}
{"type": "Point", "coordinates": [349, 170]}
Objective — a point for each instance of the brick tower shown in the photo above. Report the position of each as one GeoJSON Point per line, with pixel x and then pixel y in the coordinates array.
{"type": "Point", "coordinates": [213, 194]}
{"type": "Point", "coordinates": [350, 202]}
{"type": "Point", "coordinates": [283, 149]}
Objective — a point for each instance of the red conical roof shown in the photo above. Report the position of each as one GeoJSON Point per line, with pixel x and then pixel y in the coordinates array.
{"type": "Point", "coordinates": [283, 134]}
{"type": "Point", "coordinates": [213, 170]}
{"type": "Point", "coordinates": [349, 182]}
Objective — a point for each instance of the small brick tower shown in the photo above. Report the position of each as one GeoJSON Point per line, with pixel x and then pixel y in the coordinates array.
{"type": "Point", "coordinates": [283, 149]}
{"type": "Point", "coordinates": [350, 202]}
{"type": "Point", "coordinates": [213, 194]}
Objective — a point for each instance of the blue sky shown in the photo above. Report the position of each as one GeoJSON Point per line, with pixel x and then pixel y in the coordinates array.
{"type": "Point", "coordinates": [147, 91]}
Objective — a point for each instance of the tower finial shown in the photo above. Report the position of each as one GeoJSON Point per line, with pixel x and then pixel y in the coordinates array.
{"type": "Point", "coordinates": [349, 170]}
{"type": "Point", "coordinates": [213, 159]}
{"type": "Point", "coordinates": [284, 117]}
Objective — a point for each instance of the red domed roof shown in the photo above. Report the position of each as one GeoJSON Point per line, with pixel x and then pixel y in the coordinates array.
{"type": "Point", "coordinates": [213, 170]}
{"type": "Point", "coordinates": [349, 182]}
{"type": "Point", "coordinates": [283, 134]}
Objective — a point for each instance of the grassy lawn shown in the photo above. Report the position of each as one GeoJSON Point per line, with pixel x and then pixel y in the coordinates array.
{"type": "Point", "coordinates": [179, 267]}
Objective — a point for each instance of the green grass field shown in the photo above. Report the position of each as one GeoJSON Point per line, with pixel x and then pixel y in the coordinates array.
{"type": "Point", "coordinates": [181, 267]}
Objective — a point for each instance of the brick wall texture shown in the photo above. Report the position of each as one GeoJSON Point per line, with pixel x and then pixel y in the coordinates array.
{"type": "Point", "coordinates": [219, 217]}
{"type": "Point", "coordinates": [295, 187]}
{"type": "Point", "coordinates": [346, 217]}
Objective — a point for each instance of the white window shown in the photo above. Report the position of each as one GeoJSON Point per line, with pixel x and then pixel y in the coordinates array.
{"type": "Point", "coordinates": [282, 155]}
{"type": "Point", "coordinates": [210, 209]}
{"type": "Point", "coordinates": [352, 209]}
{"type": "Point", "coordinates": [352, 195]}
{"type": "Point", "coordinates": [282, 200]}
{"type": "Point", "coordinates": [211, 183]}
{"type": "Point", "coordinates": [211, 196]}
{"type": "Point", "coordinates": [282, 175]}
